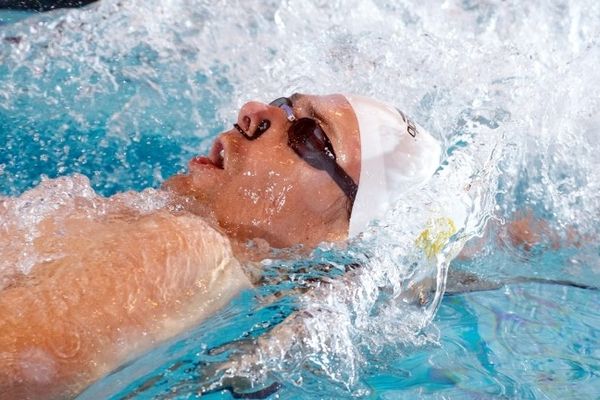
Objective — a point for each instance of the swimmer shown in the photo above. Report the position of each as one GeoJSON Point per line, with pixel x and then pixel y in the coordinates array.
{"type": "Point", "coordinates": [110, 285]}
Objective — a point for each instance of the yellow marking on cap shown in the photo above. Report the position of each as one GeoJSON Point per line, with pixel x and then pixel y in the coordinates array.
{"type": "Point", "coordinates": [433, 238]}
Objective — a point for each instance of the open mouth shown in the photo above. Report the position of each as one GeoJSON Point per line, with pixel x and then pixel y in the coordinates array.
{"type": "Point", "coordinates": [215, 159]}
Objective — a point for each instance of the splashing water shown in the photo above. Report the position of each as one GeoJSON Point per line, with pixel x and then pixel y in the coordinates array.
{"type": "Point", "coordinates": [126, 92]}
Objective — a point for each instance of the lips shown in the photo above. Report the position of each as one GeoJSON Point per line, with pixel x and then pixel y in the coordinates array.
{"type": "Point", "coordinates": [215, 159]}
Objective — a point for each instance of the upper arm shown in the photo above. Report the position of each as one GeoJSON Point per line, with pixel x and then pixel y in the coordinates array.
{"type": "Point", "coordinates": [106, 291]}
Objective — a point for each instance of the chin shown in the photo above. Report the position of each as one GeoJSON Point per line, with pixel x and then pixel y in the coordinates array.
{"type": "Point", "coordinates": [186, 185]}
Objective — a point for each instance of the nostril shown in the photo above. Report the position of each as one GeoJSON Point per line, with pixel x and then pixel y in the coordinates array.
{"type": "Point", "coordinates": [246, 122]}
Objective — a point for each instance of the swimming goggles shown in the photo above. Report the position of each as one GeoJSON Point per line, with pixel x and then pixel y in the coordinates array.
{"type": "Point", "coordinates": [310, 143]}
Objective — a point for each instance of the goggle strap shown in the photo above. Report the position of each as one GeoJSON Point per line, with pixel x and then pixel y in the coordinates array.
{"type": "Point", "coordinates": [343, 180]}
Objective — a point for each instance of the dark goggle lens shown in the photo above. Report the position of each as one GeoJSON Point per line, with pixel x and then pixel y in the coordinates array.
{"type": "Point", "coordinates": [309, 141]}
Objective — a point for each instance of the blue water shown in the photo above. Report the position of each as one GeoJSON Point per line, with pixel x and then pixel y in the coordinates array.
{"type": "Point", "coordinates": [10, 16]}
{"type": "Point", "coordinates": [525, 341]}
{"type": "Point", "coordinates": [528, 342]}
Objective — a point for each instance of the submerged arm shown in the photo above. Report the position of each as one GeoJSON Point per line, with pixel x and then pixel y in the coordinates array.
{"type": "Point", "coordinates": [525, 231]}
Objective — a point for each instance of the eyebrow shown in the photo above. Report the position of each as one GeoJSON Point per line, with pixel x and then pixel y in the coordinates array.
{"type": "Point", "coordinates": [295, 97]}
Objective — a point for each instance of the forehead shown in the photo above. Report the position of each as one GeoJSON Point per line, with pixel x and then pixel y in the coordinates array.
{"type": "Point", "coordinates": [333, 105]}
{"type": "Point", "coordinates": [339, 121]}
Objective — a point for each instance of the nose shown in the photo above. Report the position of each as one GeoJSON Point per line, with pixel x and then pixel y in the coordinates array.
{"type": "Point", "coordinates": [256, 118]}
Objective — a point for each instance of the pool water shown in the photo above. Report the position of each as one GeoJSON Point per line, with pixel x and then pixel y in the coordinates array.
{"type": "Point", "coordinates": [126, 93]}
{"type": "Point", "coordinates": [527, 341]}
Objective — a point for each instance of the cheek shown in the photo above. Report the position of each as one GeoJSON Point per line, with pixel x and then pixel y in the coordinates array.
{"type": "Point", "coordinates": [268, 195]}
{"type": "Point", "coordinates": [264, 178]}
{"type": "Point", "coordinates": [317, 192]}
{"type": "Point", "coordinates": [285, 185]}
{"type": "Point", "coordinates": [266, 189]}
{"type": "Point", "coordinates": [255, 199]}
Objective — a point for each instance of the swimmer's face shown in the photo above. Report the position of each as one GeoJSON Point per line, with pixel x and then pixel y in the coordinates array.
{"type": "Point", "coordinates": [262, 189]}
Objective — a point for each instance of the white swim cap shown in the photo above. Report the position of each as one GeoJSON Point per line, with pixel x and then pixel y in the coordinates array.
{"type": "Point", "coordinates": [396, 155]}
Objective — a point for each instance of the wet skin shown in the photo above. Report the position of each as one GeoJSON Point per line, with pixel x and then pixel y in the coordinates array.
{"type": "Point", "coordinates": [264, 189]}
{"type": "Point", "coordinates": [109, 286]}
